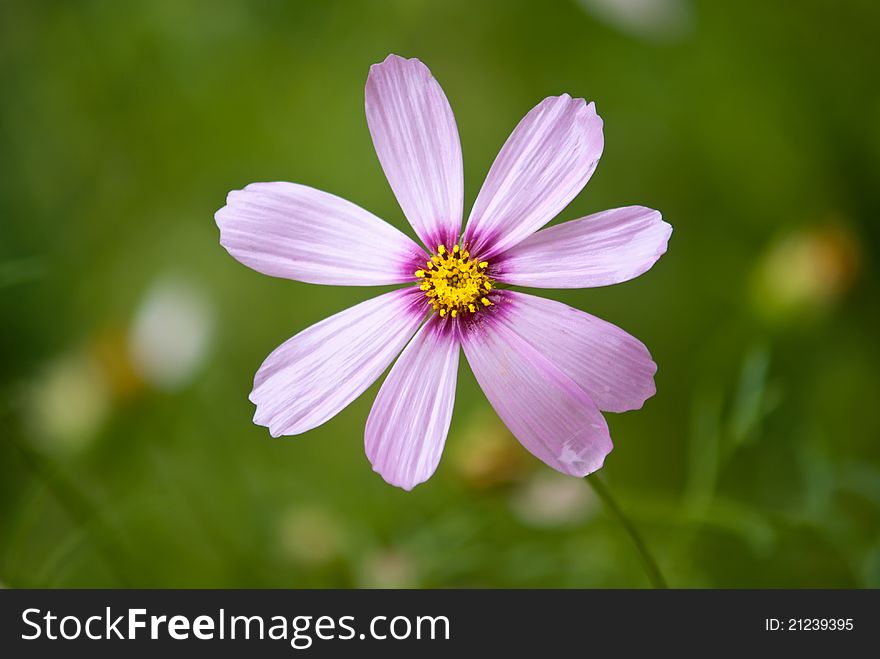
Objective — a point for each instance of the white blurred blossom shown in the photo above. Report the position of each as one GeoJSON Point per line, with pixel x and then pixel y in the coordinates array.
{"type": "Point", "coordinates": [656, 20]}
{"type": "Point", "coordinates": [550, 499]}
{"type": "Point", "coordinates": [171, 333]}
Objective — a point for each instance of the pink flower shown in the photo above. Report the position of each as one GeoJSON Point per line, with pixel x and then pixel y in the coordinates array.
{"type": "Point", "coordinates": [547, 369]}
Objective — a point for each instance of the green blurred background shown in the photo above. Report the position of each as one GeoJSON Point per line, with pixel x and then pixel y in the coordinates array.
{"type": "Point", "coordinates": [130, 337]}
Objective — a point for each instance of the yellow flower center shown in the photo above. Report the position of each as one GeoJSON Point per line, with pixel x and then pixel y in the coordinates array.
{"type": "Point", "coordinates": [454, 283]}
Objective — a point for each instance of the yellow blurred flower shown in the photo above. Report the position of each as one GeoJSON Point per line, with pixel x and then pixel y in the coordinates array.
{"type": "Point", "coordinates": [488, 455]}
{"type": "Point", "coordinates": [166, 342]}
{"type": "Point", "coordinates": [109, 349]}
{"type": "Point", "coordinates": [389, 568]}
{"type": "Point", "coordinates": [311, 536]}
{"type": "Point", "coordinates": [805, 272]}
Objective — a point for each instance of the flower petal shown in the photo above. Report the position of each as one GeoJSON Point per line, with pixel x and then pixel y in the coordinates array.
{"type": "Point", "coordinates": [312, 376]}
{"type": "Point", "coordinates": [542, 406]}
{"type": "Point", "coordinates": [407, 427]}
{"type": "Point", "coordinates": [544, 164]}
{"type": "Point", "coordinates": [614, 368]}
{"type": "Point", "coordinates": [416, 139]}
{"type": "Point", "coordinates": [601, 249]}
{"type": "Point", "coordinates": [296, 232]}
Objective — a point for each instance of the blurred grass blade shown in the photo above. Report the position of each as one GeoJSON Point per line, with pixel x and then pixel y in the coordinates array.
{"type": "Point", "coordinates": [21, 271]}
{"type": "Point", "coordinates": [76, 503]}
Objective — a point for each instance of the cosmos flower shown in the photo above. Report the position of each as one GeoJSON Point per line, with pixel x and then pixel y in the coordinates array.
{"type": "Point", "coordinates": [548, 370]}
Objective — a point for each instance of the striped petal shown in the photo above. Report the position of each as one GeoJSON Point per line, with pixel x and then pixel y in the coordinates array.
{"type": "Point", "coordinates": [614, 368]}
{"type": "Point", "coordinates": [542, 406]}
{"type": "Point", "coordinates": [601, 249]}
{"type": "Point", "coordinates": [311, 377]}
{"type": "Point", "coordinates": [416, 139]}
{"type": "Point", "coordinates": [407, 427]}
{"type": "Point", "coordinates": [296, 232]}
{"type": "Point", "coordinates": [544, 164]}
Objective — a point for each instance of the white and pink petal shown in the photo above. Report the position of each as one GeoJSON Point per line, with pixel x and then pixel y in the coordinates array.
{"type": "Point", "coordinates": [543, 165]}
{"type": "Point", "coordinates": [311, 377]}
{"type": "Point", "coordinates": [543, 407]}
{"type": "Point", "coordinates": [416, 138]}
{"type": "Point", "coordinates": [605, 248]}
{"type": "Point", "coordinates": [297, 232]}
{"type": "Point", "coordinates": [614, 368]}
{"type": "Point", "coordinates": [407, 427]}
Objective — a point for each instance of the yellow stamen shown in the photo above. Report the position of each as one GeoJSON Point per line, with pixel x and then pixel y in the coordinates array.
{"type": "Point", "coordinates": [453, 283]}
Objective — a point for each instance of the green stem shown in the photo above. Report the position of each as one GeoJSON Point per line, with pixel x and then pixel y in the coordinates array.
{"type": "Point", "coordinates": [648, 562]}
